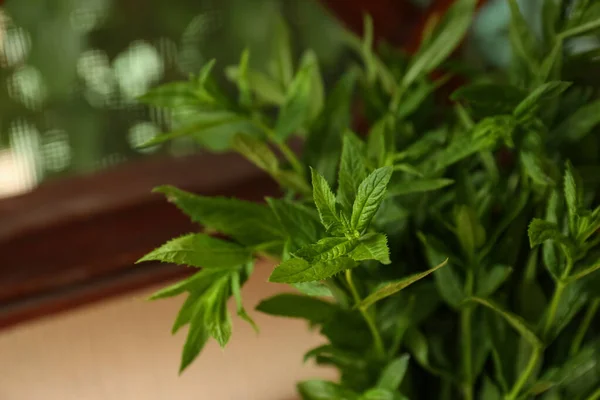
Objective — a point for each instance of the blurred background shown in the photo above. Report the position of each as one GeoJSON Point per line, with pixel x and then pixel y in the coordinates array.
{"type": "Point", "coordinates": [70, 70]}
{"type": "Point", "coordinates": [70, 73]}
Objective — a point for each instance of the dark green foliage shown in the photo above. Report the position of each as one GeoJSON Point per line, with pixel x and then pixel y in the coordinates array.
{"type": "Point", "coordinates": [496, 198]}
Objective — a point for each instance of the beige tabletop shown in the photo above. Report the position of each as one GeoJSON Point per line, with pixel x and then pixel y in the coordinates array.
{"type": "Point", "coordinates": [122, 349]}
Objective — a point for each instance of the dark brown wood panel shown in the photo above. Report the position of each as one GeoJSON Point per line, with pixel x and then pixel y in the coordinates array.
{"type": "Point", "coordinates": [76, 240]}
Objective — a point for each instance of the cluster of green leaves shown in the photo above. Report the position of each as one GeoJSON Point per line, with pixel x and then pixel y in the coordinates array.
{"type": "Point", "coordinates": [491, 193]}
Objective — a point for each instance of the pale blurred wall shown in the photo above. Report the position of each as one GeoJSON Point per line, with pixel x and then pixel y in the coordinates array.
{"type": "Point", "coordinates": [122, 349]}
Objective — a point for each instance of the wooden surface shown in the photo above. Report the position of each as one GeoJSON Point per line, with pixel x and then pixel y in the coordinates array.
{"type": "Point", "coordinates": [122, 349]}
{"type": "Point", "coordinates": [76, 240]}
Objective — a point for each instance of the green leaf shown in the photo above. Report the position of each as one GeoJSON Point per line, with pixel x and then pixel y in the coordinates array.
{"type": "Point", "coordinates": [381, 140]}
{"type": "Point", "coordinates": [370, 194]}
{"type": "Point", "coordinates": [515, 321]}
{"type": "Point", "coordinates": [485, 135]}
{"type": "Point", "coordinates": [416, 343]}
{"type": "Point", "coordinates": [324, 390]}
{"type": "Point", "coordinates": [293, 181]}
{"type": "Point", "coordinates": [392, 375]}
{"type": "Point", "coordinates": [347, 331]}
{"type": "Point", "coordinates": [550, 253]}
{"type": "Point", "coordinates": [409, 169]}
{"type": "Point", "coordinates": [217, 320]}
{"type": "Point", "coordinates": [488, 99]}
{"type": "Point", "coordinates": [247, 222]}
{"type": "Point", "coordinates": [323, 144]}
{"type": "Point", "coordinates": [424, 146]}
{"type": "Point", "coordinates": [551, 67]}
{"type": "Point", "coordinates": [580, 123]}
{"type": "Point", "coordinates": [186, 312]}
{"type": "Point", "coordinates": [469, 230]}
{"type": "Point", "coordinates": [297, 306]}
{"type": "Point", "coordinates": [256, 151]}
{"type": "Point", "coordinates": [204, 73]}
{"type": "Point", "coordinates": [194, 343]}
{"type": "Point", "coordinates": [378, 394]}
{"type": "Point", "coordinates": [200, 126]}
{"type": "Point", "coordinates": [551, 15]}
{"type": "Point", "coordinates": [317, 289]}
{"type": "Point", "coordinates": [372, 247]}
{"type": "Point", "coordinates": [489, 391]}
{"type": "Point", "coordinates": [513, 209]}
{"type": "Point", "coordinates": [395, 287]}
{"type": "Point", "coordinates": [582, 29]}
{"type": "Point", "coordinates": [367, 48]}
{"type": "Point", "coordinates": [301, 224]}
{"type": "Point", "coordinates": [401, 188]}
{"type": "Point", "coordinates": [325, 201]}
{"type": "Point", "coordinates": [481, 343]}
{"type": "Point", "coordinates": [559, 376]}
{"type": "Point", "coordinates": [317, 91]}
{"type": "Point", "coordinates": [209, 317]}
{"type": "Point", "coordinates": [243, 81]}
{"type": "Point", "coordinates": [572, 301]}
{"type": "Point", "coordinates": [589, 224]}
{"type": "Point", "coordinates": [523, 41]}
{"type": "Point", "coordinates": [585, 271]}
{"type": "Point", "coordinates": [532, 102]}
{"type": "Point", "coordinates": [237, 295]}
{"type": "Point", "coordinates": [534, 167]}
{"type": "Point", "coordinates": [298, 270]}
{"type": "Point", "coordinates": [490, 279]}
{"type": "Point", "coordinates": [532, 300]}
{"type": "Point", "coordinates": [573, 193]}
{"type": "Point", "coordinates": [448, 283]}
{"type": "Point", "coordinates": [446, 37]}
{"type": "Point", "coordinates": [265, 89]}
{"type": "Point", "coordinates": [283, 62]}
{"type": "Point", "coordinates": [341, 357]}
{"type": "Point", "coordinates": [352, 169]}
{"type": "Point", "coordinates": [200, 250]}
{"type": "Point", "coordinates": [540, 231]}
{"type": "Point", "coordinates": [196, 283]}
{"type": "Point", "coordinates": [172, 95]}
{"type": "Point", "coordinates": [326, 249]}
{"type": "Point", "coordinates": [294, 112]}
{"type": "Point", "coordinates": [415, 98]}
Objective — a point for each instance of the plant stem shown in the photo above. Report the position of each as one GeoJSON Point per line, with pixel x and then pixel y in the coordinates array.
{"type": "Point", "coordinates": [595, 395]}
{"type": "Point", "coordinates": [585, 324]}
{"type": "Point", "coordinates": [525, 375]}
{"type": "Point", "coordinates": [558, 291]}
{"type": "Point", "coordinates": [467, 350]}
{"type": "Point", "coordinates": [581, 29]}
{"type": "Point", "coordinates": [377, 341]}
{"type": "Point", "coordinates": [291, 157]}
{"type": "Point", "coordinates": [284, 148]}
{"type": "Point", "coordinates": [465, 324]}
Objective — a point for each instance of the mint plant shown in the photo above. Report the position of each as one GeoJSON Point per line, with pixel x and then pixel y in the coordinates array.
{"type": "Point", "coordinates": [450, 252]}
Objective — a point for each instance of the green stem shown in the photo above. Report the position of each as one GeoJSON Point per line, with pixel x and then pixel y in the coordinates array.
{"type": "Point", "coordinates": [581, 29]}
{"type": "Point", "coordinates": [291, 157]}
{"type": "Point", "coordinates": [377, 341]}
{"type": "Point", "coordinates": [465, 324]}
{"type": "Point", "coordinates": [585, 324]}
{"type": "Point", "coordinates": [525, 375]}
{"type": "Point", "coordinates": [595, 395]}
{"type": "Point", "coordinates": [466, 337]}
{"type": "Point", "coordinates": [558, 291]}
{"type": "Point", "coordinates": [284, 148]}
